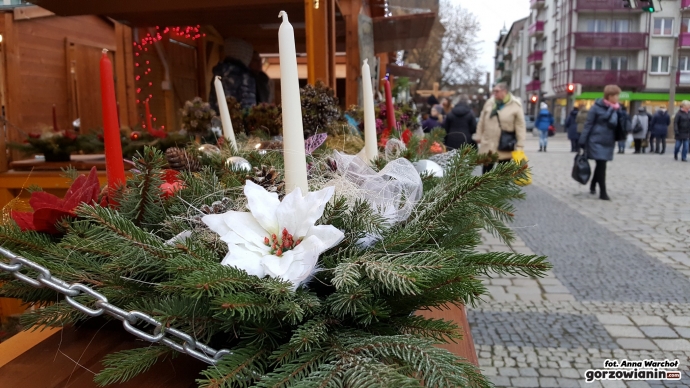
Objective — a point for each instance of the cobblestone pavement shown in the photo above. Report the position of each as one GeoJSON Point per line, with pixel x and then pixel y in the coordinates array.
{"type": "Point", "coordinates": [620, 286]}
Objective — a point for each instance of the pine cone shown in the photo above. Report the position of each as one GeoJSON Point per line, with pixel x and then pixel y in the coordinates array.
{"type": "Point", "coordinates": [216, 207]}
{"type": "Point", "coordinates": [180, 160]}
{"type": "Point", "coordinates": [268, 178]}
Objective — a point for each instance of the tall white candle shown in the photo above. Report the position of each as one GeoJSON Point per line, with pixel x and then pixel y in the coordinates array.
{"type": "Point", "coordinates": [293, 133]}
{"type": "Point", "coordinates": [370, 146]}
{"type": "Point", "coordinates": [228, 131]}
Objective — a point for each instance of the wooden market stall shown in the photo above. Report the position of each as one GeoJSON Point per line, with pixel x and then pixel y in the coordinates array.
{"type": "Point", "coordinates": [50, 53]}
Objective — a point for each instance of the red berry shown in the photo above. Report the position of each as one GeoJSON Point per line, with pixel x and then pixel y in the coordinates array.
{"type": "Point", "coordinates": [266, 241]}
{"type": "Point", "coordinates": [279, 252]}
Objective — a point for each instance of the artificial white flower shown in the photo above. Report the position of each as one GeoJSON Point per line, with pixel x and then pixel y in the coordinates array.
{"type": "Point", "coordinates": [275, 238]}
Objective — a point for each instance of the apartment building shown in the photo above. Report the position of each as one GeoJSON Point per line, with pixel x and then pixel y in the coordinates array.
{"type": "Point", "coordinates": [512, 49]}
{"type": "Point", "coordinates": [599, 42]}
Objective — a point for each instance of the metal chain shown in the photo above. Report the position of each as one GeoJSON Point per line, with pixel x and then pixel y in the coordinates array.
{"type": "Point", "coordinates": [164, 335]}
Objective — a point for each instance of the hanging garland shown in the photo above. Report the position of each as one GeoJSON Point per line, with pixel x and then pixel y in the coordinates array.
{"type": "Point", "coordinates": [144, 84]}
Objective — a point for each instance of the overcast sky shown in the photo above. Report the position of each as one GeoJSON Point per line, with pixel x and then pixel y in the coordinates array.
{"type": "Point", "coordinates": [492, 14]}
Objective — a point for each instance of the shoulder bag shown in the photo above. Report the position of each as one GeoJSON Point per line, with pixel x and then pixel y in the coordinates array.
{"type": "Point", "coordinates": [508, 140]}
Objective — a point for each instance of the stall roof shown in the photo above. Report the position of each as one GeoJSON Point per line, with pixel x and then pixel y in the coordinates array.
{"type": "Point", "coordinates": [404, 32]}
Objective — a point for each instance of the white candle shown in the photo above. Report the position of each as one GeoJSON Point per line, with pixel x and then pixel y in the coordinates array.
{"type": "Point", "coordinates": [228, 131]}
{"type": "Point", "coordinates": [370, 146]}
{"type": "Point", "coordinates": [293, 133]}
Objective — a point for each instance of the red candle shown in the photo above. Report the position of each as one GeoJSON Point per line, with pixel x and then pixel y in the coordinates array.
{"type": "Point", "coordinates": [55, 126]}
{"type": "Point", "coordinates": [115, 168]}
{"type": "Point", "coordinates": [149, 126]}
{"type": "Point", "coordinates": [390, 110]}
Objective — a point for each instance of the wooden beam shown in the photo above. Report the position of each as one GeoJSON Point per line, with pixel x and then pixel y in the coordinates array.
{"type": "Point", "coordinates": [317, 40]}
{"type": "Point", "coordinates": [13, 82]}
{"type": "Point", "coordinates": [31, 12]}
{"type": "Point", "coordinates": [331, 25]}
{"type": "Point", "coordinates": [351, 9]}
{"type": "Point", "coordinates": [120, 75]}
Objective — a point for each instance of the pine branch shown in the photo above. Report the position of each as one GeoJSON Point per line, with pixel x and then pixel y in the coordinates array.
{"type": "Point", "coordinates": [237, 370]}
{"type": "Point", "coordinates": [508, 263]}
{"type": "Point", "coordinates": [127, 364]}
{"type": "Point", "coordinates": [141, 200]}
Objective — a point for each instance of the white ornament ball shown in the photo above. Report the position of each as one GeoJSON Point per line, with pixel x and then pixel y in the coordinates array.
{"type": "Point", "coordinates": [429, 167]}
{"type": "Point", "coordinates": [209, 149]}
{"type": "Point", "coordinates": [238, 163]}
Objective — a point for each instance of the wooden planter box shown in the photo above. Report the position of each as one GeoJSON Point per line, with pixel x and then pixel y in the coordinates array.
{"type": "Point", "coordinates": [46, 359]}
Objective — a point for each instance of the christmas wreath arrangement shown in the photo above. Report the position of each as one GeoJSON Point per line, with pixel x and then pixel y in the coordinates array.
{"type": "Point", "coordinates": [57, 146]}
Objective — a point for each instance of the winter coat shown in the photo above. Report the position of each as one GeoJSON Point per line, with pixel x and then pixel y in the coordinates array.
{"type": "Point", "coordinates": [430, 123]}
{"type": "Point", "coordinates": [512, 119]}
{"type": "Point", "coordinates": [238, 81]}
{"type": "Point", "coordinates": [544, 120]}
{"type": "Point", "coordinates": [599, 136]}
{"type": "Point", "coordinates": [681, 125]}
{"type": "Point", "coordinates": [660, 123]}
{"type": "Point", "coordinates": [643, 119]}
{"type": "Point", "coordinates": [571, 125]}
{"type": "Point", "coordinates": [460, 125]}
{"type": "Point", "coordinates": [581, 120]}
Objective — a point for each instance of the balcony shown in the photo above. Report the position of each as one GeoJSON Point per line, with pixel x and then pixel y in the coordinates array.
{"type": "Point", "coordinates": [536, 57]}
{"type": "Point", "coordinates": [536, 29]}
{"type": "Point", "coordinates": [684, 40]}
{"type": "Point", "coordinates": [623, 78]}
{"type": "Point", "coordinates": [501, 66]}
{"type": "Point", "coordinates": [603, 5]}
{"type": "Point", "coordinates": [607, 40]}
{"type": "Point", "coordinates": [685, 5]}
{"type": "Point", "coordinates": [535, 4]}
{"type": "Point", "coordinates": [683, 78]}
{"type": "Point", "coordinates": [533, 86]}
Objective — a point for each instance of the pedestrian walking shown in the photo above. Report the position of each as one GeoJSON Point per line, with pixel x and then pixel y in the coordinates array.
{"type": "Point", "coordinates": [501, 113]}
{"type": "Point", "coordinates": [571, 126]}
{"type": "Point", "coordinates": [660, 123]}
{"type": "Point", "coordinates": [640, 127]}
{"type": "Point", "coordinates": [542, 123]}
{"type": "Point", "coordinates": [681, 128]}
{"type": "Point", "coordinates": [607, 122]}
{"type": "Point", "coordinates": [434, 119]}
{"type": "Point", "coordinates": [460, 124]}
{"type": "Point", "coordinates": [237, 79]}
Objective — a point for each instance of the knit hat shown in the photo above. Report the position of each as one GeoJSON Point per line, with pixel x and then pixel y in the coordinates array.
{"type": "Point", "coordinates": [238, 49]}
{"type": "Point", "coordinates": [544, 106]}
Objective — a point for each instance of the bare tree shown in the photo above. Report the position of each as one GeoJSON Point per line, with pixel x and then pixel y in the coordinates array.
{"type": "Point", "coordinates": [451, 54]}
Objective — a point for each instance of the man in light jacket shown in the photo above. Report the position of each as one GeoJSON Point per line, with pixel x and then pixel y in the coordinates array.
{"type": "Point", "coordinates": [503, 112]}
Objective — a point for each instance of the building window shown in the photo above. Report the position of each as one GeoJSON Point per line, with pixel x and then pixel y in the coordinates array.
{"type": "Point", "coordinates": [684, 64]}
{"type": "Point", "coordinates": [663, 26]}
{"type": "Point", "coordinates": [594, 63]}
{"type": "Point", "coordinates": [660, 64]}
{"type": "Point", "coordinates": [619, 63]}
{"type": "Point", "coordinates": [597, 25]}
{"type": "Point", "coordinates": [685, 25]}
{"type": "Point", "coordinates": [620, 26]}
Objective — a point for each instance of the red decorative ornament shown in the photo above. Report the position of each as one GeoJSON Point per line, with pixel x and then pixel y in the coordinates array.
{"type": "Point", "coordinates": [406, 136]}
{"type": "Point", "coordinates": [172, 183]}
{"type": "Point", "coordinates": [135, 135]}
{"type": "Point", "coordinates": [49, 209]}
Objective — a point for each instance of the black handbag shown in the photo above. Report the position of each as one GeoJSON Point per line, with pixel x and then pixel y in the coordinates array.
{"type": "Point", "coordinates": [581, 169]}
{"type": "Point", "coordinates": [508, 140]}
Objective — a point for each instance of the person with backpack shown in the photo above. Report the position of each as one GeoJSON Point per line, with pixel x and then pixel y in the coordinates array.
{"type": "Point", "coordinates": [543, 122]}
{"type": "Point", "coordinates": [640, 127]}
{"type": "Point", "coordinates": [660, 123]}
{"type": "Point", "coordinates": [681, 128]}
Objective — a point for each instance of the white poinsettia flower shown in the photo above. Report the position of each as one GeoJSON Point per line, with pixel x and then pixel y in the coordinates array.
{"type": "Point", "coordinates": [275, 238]}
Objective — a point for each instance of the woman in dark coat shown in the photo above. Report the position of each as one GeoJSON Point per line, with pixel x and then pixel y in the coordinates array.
{"type": "Point", "coordinates": [681, 127]}
{"type": "Point", "coordinates": [571, 127]}
{"type": "Point", "coordinates": [460, 125]}
{"type": "Point", "coordinates": [607, 122]}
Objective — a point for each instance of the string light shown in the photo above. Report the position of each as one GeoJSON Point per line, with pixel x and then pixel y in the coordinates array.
{"type": "Point", "coordinates": [184, 32]}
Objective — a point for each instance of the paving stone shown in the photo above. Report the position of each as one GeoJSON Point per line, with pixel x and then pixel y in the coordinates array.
{"type": "Point", "coordinates": [612, 384]}
{"type": "Point", "coordinates": [500, 381]}
{"type": "Point", "coordinates": [637, 384]}
{"type": "Point", "coordinates": [673, 344]}
{"type": "Point", "coordinates": [678, 321]}
{"type": "Point", "coordinates": [618, 331]}
{"type": "Point", "coordinates": [612, 319]}
{"type": "Point", "coordinates": [528, 372]}
{"type": "Point", "coordinates": [548, 382]}
{"type": "Point", "coordinates": [658, 332]}
{"type": "Point", "coordinates": [683, 331]}
{"type": "Point", "coordinates": [548, 372]}
{"type": "Point", "coordinates": [570, 373]}
{"type": "Point", "coordinates": [645, 320]}
{"type": "Point", "coordinates": [511, 372]}
{"type": "Point", "coordinates": [525, 382]}
{"type": "Point", "coordinates": [556, 289]}
{"type": "Point", "coordinates": [567, 383]}
{"type": "Point", "coordinates": [636, 343]}
{"type": "Point", "coordinates": [489, 371]}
